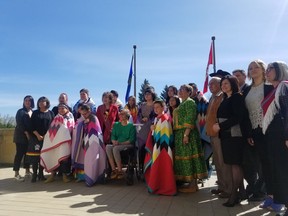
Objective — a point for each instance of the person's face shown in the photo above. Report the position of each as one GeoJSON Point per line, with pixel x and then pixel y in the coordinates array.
{"type": "Point", "coordinates": [85, 114]}
{"type": "Point", "coordinates": [270, 73]}
{"type": "Point", "coordinates": [62, 110]}
{"type": "Point", "coordinates": [123, 116]}
{"type": "Point", "coordinates": [27, 103]}
{"type": "Point", "coordinates": [148, 96]}
{"type": "Point", "coordinates": [170, 92]}
{"type": "Point", "coordinates": [226, 86]}
{"type": "Point", "coordinates": [214, 86]}
{"type": "Point", "coordinates": [131, 101]}
{"type": "Point", "coordinates": [172, 102]}
{"type": "Point", "coordinates": [42, 104]}
{"type": "Point", "coordinates": [83, 96]}
{"type": "Point", "coordinates": [183, 93]}
{"type": "Point", "coordinates": [158, 109]}
{"type": "Point", "coordinates": [62, 99]}
{"type": "Point", "coordinates": [241, 78]}
{"type": "Point", "coordinates": [255, 71]}
{"type": "Point", "coordinates": [114, 98]}
{"type": "Point", "coordinates": [105, 99]}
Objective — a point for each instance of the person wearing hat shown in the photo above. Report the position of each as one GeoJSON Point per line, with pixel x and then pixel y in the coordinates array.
{"type": "Point", "coordinates": [56, 151]}
{"type": "Point", "coordinates": [220, 73]}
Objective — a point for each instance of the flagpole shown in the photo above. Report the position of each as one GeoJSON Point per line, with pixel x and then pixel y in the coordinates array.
{"type": "Point", "coordinates": [214, 58]}
{"type": "Point", "coordinates": [134, 47]}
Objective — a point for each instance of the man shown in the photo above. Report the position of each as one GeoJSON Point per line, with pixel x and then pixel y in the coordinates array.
{"type": "Point", "coordinates": [116, 100]}
{"type": "Point", "coordinates": [223, 171]}
{"type": "Point", "coordinates": [241, 76]}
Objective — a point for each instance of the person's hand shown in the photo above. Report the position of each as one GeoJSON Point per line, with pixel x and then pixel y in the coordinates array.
{"type": "Point", "coordinates": [185, 140]}
{"type": "Point", "coordinates": [216, 127]}
{"type": "Point", "coordinates": [250, 141]}
{"type": "Point", "coordinates": [145, 119]}
{"type": "Point", "coordinates": [40, 138]}
{"type": "Point", "coordinates": [115, 142]}
{"type": "Point", "coordinates": [286, 142]}
{"type": "Point", "coordinates": [152, 127]}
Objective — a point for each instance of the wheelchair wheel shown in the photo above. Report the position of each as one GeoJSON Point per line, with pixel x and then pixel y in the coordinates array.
{"type": "Point", "coordinates": [129, 179]}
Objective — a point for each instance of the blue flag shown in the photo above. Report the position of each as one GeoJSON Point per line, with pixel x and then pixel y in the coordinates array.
{"type": "Point", "coordinates": [129, 81]}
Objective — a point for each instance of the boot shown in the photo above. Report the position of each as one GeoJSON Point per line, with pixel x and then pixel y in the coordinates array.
{"type": "Point", "coordinates": [65, 178]}
{"type": "Point", "coordinates": [49, 179]}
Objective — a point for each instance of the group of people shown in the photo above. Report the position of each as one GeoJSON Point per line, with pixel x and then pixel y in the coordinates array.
{"type": "Point", "coordinates": [245, 125]}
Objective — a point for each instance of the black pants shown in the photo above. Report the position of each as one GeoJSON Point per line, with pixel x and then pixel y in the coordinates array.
{"type": "Point", "coordinates": [254, 160]}
{"type": "Point", "coordinates": [21, 149]}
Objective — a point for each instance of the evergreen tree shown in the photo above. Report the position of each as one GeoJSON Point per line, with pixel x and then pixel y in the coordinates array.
{"type": "Point", "coordinates": [163, 95]}
{"type": "Point", "coordinates": [145, 85]}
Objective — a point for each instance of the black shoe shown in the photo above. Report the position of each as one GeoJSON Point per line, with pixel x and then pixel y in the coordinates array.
{"type": "Point", "coordinates": [256, 198]}
{"type": "Point", "coordinates": [231, 204]}
{"type": "Point", "coordinates": [216, 191]}
{"type": "Point", "coordinates": [41, 177]}
{"type": "Point", "coordinates": [34, 177]}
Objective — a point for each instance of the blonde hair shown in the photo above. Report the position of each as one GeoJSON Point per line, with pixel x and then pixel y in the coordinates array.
{"type": "Point", "coordinates": [260, 64]}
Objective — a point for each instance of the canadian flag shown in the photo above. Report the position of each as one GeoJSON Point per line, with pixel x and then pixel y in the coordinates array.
{"type": "Point", "coordinates": [210, 61]}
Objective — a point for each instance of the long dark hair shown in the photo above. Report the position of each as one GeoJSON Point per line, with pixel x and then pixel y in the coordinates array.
{"type": "Point", "coordinates": [31, 101]}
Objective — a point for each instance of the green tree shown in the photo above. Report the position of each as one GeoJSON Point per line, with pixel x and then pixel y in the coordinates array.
{"type": "Point", "coordinates": [163, 95]}
{"type": "Point", "coordinates": [145, 85]}
{"type": "Point", "coordinates": [7, 121]}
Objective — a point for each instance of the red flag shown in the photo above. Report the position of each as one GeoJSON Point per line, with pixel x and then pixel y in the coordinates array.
{"type": "Point", "coordinates": [210, 61]}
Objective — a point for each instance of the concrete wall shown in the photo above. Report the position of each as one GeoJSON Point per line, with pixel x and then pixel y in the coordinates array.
{"type": "Point", "coordinates": [7, 147]}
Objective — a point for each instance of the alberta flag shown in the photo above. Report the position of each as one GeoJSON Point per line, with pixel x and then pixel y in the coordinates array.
{"type": "Point", "coordinates": [129, 81]}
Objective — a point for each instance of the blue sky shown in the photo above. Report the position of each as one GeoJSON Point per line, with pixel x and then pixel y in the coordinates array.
{"type": "Point", "coordinates": [49, 47]}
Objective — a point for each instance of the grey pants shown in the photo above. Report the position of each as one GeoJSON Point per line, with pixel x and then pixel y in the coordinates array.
{"type": "Point", "coordinates": [113, 151]}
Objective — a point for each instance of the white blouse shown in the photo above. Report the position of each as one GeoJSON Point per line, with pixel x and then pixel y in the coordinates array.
{"type": "Point", "coordinates": [253, 104]}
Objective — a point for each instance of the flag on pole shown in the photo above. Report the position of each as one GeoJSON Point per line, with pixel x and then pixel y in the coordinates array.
{"type": "Point", "coordinates": [210, 61]}
{"type": "Point", "coordinates": [129, 81]}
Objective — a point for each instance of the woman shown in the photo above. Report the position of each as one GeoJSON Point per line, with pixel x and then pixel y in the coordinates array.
{"type": "Point", "coordinates": [107, 114]}
{"type": "Point", "coordinates": [22, 135]}
{"type": "Point", "coordinates": [132, 107]}
{"type": "Point", "coordinates": [275, 128]}
{"type": "Point", "coordinates": [40, 121]}
{"type": "Point", "coordinates": [174, 102]}
{"type": "Point", "coordinates": [158, 165]}
{"type": "Point", "coordinates": [189, 158]}
{"type": "Point", "coordinates": [253, 95]}
{"type": "Point", "coordinates": [56, 150]}
{"type": "Point", "coordinates": [145, 117]}
{"type": "Point", "coordinates": [230, 117]}
{"type": "Point", "coordinates": [171, 91]}
{"type": "Point", "coordinates": [123, 137]}
{"type": "Point", "coordinates": [89, 149]}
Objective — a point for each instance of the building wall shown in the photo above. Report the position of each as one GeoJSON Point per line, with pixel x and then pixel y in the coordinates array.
{"type": "Point", "coordinates": [7, 147]}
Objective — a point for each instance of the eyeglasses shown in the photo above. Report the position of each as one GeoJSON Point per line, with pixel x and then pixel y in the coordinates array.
{"type": "Point", "coordinates": [269, 69]}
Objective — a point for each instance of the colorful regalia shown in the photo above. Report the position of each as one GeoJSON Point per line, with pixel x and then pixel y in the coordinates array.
{"type": "Point", "coordinates": [189, 158]}
{"type": "Point", "coordinates": [88, 151]}
{"type": "Point", "coordinates": [158, 164]}
{"type": "Point", "coordinates": [106, 119]}
{"type": "Point", "coordinates": [57, 142]}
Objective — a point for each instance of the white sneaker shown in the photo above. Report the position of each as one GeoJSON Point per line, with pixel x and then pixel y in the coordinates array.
{"type": "Point", "coordinates": [19, 178]}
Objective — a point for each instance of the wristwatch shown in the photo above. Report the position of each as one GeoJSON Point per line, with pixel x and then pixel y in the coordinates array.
{"type": "Point", "coordinates": [185, 135]}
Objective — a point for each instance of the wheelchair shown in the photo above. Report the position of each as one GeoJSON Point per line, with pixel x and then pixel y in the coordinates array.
{"type": "Point", "coordinates": [128, 159]}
